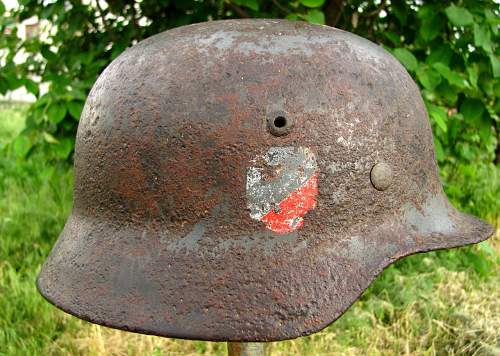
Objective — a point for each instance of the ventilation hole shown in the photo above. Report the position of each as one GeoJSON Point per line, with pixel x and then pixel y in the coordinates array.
{"type": "Point", "coordinates": [279, 122]}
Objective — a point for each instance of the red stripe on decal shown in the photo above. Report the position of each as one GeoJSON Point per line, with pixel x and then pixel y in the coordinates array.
{"type": "Point", "coordinates": [293, 208]}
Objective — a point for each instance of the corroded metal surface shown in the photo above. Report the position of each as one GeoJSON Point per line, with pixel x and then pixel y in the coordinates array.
{"type": "Point", "coordinates": [195, 217]}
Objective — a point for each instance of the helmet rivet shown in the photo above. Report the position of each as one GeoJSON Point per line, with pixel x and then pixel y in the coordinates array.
{"type": "Point", "coordinates": [381, 176]}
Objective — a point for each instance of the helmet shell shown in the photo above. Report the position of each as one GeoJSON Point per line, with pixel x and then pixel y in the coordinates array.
{"type": "Point", "coordinates": [246, 180]}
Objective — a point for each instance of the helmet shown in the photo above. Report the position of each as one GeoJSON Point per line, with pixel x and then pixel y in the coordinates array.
{"type": "Point", "coordinates": [246, 180]}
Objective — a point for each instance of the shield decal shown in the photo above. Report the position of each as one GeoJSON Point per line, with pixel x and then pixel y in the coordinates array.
{"type": "Point", "coordinates": [281, 187]}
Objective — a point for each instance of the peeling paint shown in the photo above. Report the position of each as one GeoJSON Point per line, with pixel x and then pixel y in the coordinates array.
{"type": "Point", "coordinates": [282, 201]}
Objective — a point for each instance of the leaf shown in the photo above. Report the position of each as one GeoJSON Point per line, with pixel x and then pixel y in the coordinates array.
{"type": "Point", "coordinates": [48, 11]}
{"type": "Point", "coordinates": [441, 54]}
{"type": "Point", "coordinates": [472, 110]}
{"type": "Point", "coordinates": [86, 57]}
{"type": "Point", "coordinates": [76, 94]}
{"type": "Point", "coordinates": [425, 11]}
{"type": "Point", "coordinates": [21, 146]}
{"type": "Point", "coordinates": [473, 72]}
{"type": "Point", "coordinates": [454, 125]}
{"type": "Point", "coordinates": [75, 108]}
{"type": "Point", "coordinates": [493, 20]}
{"type": "Point", "coordinates": [428, 77]}
{"type": "Point", "coordinates": [438, 148]}
{"type": "Point", "coordinates": [315, 16]}
{"type": "Point", "coordinates": [31, 86]}
{"type": "Point", "coordinates": [312, 3]}
{"type": "Point", "coordinates": [42, 101]}
{"type": "Point", "coordinates": [495, 65]}
{"type": "Point", "coordinates": [64, 148]}
{"type": "Point", "coordinates": [401, 10]}
{"type": "Point", "coordinates": [56, 112]}
{"type": "Point", "coordinates": [2, 8]}
{"type": "Point", "coordinates": [292, 17]}
{"type": "Point", "coordinates": [486, 83]}
{"type": "Point", "coordinates": [486, 247]}
{"type": "Point", "coordinates": [439, 115]}
{"type": "Point", "coordinates": [4, 87]}
{"type": "Point", "coordinates": [485, 131]}
{"type": "Point", "coordinates": [48, 137]}
{"type": "Point", "coordinates": [406, 58]}
{"type": "Point", "coordinates": [447, 92]}
{"type": "Point", "coordinates": [431, 27]}
{"type": "Point", "coordinates": [459, 16]}
{"type": "Point", "coordinates": [393, 37]}
{"type": "Point", "coordinates": [251, 4]}
{"type": "Point", "coordinates": [48, 54]}
{"type": "Point", "coordinates": [482, 37]}
{"type": "Point", "coordinates": [13, 81]}
{"type": "Point", "coordinates": [451, 76]}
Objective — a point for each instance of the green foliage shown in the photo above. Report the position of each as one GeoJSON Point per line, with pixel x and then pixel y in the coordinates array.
{"type": "Point", "coordinates": [315, 16]}
{"type": "Point", "coordinates": [407, 58]}
{"type": "Point", "coordinates": [35, 199]}
{"type": "Point", "coordinates": [312, 3]}
{"type": "Point", "coordinates": [459, 16]}
{"type": "Point", "coordinates": [450, 48]}
{"type": "Point", "coordinates": [11, 121]}
{"type": "Point", "coordinates": [474, 188]}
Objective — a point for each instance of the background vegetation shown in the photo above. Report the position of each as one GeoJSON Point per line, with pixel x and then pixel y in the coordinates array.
{"type": "Point", "coordinates": [437, 303]}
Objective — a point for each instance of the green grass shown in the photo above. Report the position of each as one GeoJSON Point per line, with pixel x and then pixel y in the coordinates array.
{"type": "Point", "coordinates": [431, 304]}
{"type": "Point", "coordinates": [34, 201]}
{"type": "Point", "coordinates": [11, 121]}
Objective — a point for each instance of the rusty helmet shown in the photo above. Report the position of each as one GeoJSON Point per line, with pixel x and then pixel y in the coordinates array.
{"type": "Point", "coordinates": [246, 180]}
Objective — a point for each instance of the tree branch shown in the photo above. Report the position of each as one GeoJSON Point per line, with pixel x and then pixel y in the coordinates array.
{"type": "Point", "coordinates": [280, 7]}
{"type": "Point", "coordinates": [238, 10]}
{"type": "Point", "coordinates": [376, 11]}
{"type": "Point", "coordinates": [333, 10]}
{"type": "Point", "coordinates": [105, 23]}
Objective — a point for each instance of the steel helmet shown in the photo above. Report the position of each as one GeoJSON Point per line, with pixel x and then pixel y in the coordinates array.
{"type": "Point", "coordinates": [246, 180]}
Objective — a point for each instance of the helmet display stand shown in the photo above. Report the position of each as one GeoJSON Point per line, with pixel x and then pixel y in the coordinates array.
{"type": "Point", "coordinates": [246, 348]}
{"type": "Point", "coordinates": [246, 181]}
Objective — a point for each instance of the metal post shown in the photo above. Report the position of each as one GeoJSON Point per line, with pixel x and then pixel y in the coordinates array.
{"type": "Point", "coordinates": [246, 348]}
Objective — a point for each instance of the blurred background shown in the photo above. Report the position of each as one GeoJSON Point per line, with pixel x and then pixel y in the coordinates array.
{"type": "Point", "coordinates": [52, 51]}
